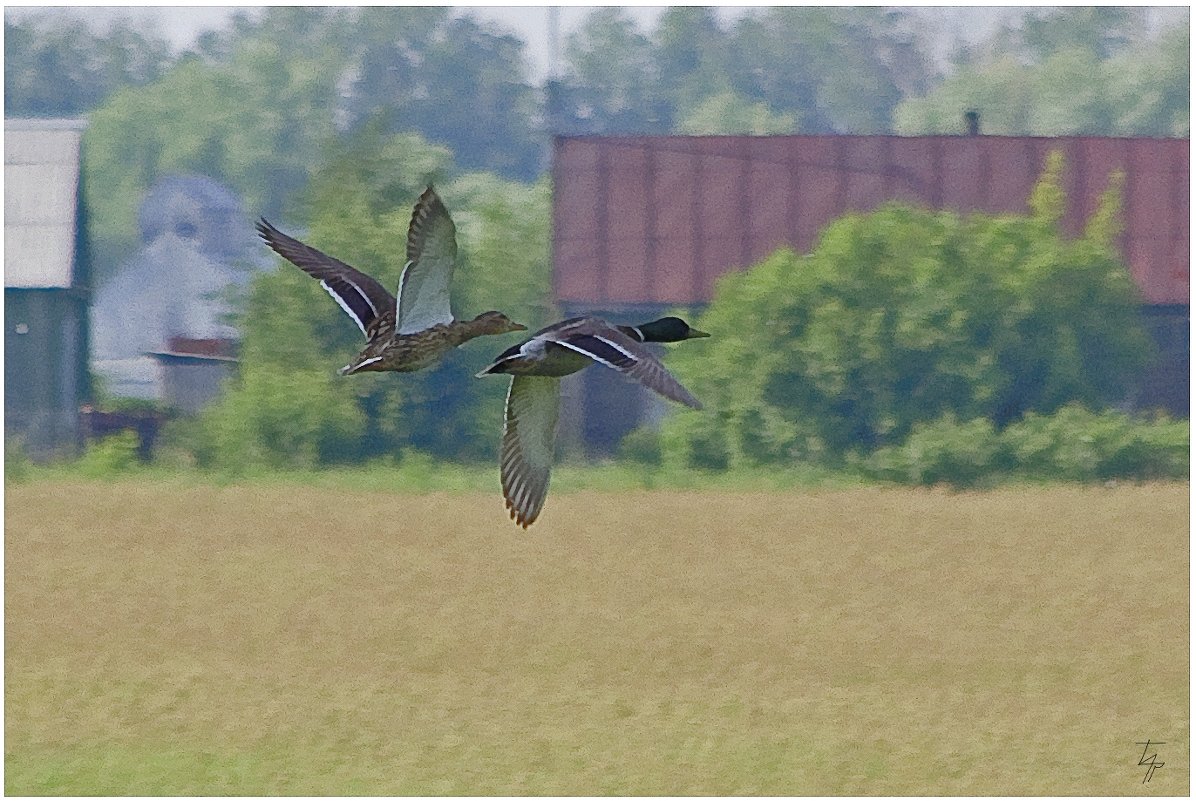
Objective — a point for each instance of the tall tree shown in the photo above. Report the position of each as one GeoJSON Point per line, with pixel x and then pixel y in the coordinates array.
{"type": "Point", "coordinates": [841, 69]}
{"type": "Point", "coordinates": [731, 113]}
{"type": "Point", "coordinates": [256, 123]}
{"type": "Point", "coordinates": [1141, 90]}
{"type": "Point", "coordinates": [692, 56]}
{"type": "Point", "coordinates": [1103, 31]}
{"type": "Point", "coordinates": [58, 67]}
{"type": "Point", "coordinates": [457, 81]}
{"type": "Point", "coordinates": [1150, 86]}
{"type": "Point", "coordinates": [611, 85]}
{"type": "Point", "coordinates": [479, 101]}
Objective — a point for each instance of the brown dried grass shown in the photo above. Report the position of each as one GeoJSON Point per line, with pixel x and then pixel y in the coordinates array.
{"type": "Point", "coordinates": [162, 639]}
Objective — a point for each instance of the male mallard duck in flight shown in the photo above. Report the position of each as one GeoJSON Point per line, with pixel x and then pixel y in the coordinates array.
{"type": "Point", "coordinates": [533, 400]}
{"type": "Point", "coordinates": [426, 328]}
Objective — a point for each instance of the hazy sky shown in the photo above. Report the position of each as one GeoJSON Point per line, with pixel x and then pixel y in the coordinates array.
{"type": "Point", "coordinates": [181, 24]}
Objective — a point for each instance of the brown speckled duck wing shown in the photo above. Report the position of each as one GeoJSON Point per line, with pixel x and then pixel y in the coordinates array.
{"type": "Point", "coordinates": [528, 437]}
{"type": "Point", "coordinates": [361, 297]}
{"type": "Point", "coordinates": [607, 345]}
{"type": "Point", "coordinates": [431, 256]}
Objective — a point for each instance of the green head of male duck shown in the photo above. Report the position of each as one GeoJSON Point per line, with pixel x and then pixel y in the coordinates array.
{"type": "Point", "coordinates": [669, 329]}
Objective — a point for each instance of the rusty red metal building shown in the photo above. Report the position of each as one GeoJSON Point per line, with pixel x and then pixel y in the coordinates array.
{"type": "Point", "coordinates": [643, 223]}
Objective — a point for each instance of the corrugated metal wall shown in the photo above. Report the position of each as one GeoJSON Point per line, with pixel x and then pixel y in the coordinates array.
{"type": "Point", "coordinates": [659, 219]}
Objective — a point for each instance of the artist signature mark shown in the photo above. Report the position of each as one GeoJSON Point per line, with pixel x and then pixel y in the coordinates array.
{"type": "Point", "coordinates": [1150, 760]}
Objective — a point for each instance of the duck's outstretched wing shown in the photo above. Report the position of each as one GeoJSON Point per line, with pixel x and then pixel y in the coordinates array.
{"type": "Point", "coordinates": [431, 257]}
{"type": "Point", "coordinates": [362, 298]}
{"type": "Point", "coordinates": [528, 437]}
{"type": "Point", "coordinates": [609, 346]}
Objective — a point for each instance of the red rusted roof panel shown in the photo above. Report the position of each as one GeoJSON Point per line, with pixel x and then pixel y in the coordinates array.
{"type": "Point", "coordinates": [1180, 261]}
{"type": "Point", "coordinates": [659, 219]}
{"type": "Point", "coordinates": [865, 163]}
{"type": "Point", "coordinates": [914, 176]}
{"type": "Point", "coordinates": [819, 188]}
{"type": "Point", "coordinates": [1009, 166]}
{"type": "Point", "coordinates": [627, 195]}
{"type": "Point", "coordinates": [716, 254]}
{"type": "Point", "coordinates": [675, 275]}
{"type": "Point", "coordinates": [676, 191]}
{"type": "Point", "coordinates": [632, 250]}
{"type": "Point", "coordinates": [960, 174]}
{"type": "Point", "coordinates": [581, 280]}
{"type": "Point", "coordinates": [768, 201]}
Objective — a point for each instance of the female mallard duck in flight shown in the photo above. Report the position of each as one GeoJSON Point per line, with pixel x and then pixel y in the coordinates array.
{"type": "Point", "coordinates": [415, 331]}
{"type": "Point", "coordinates": [533, 400]}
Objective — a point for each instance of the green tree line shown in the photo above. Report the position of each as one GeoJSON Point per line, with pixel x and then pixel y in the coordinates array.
{"type": "Point", "coordinates": [330, 121]}
{"type": "Point", "coordinates": [1088, 71]}
{"type": "Point", "coordinates": [259, 104]}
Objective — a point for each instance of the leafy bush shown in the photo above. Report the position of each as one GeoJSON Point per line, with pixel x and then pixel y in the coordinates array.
{"type": "Point", "coordinates": [17, 464]}
{"type": "Point", "coordinates": [641, 446]}
{"type": "Point", "coordinates": [1073, 444]}
{"type": "Point", "coordinates": [111, 456]}
{"type": "Point", "coordinates": [943, 452]}
{"type": "Point", "coordinates": [901, 317]}
{"type": "Point", "coordinates": [279, 418]}
{"type": "Point", "coordinates": [688, 442]}
{"type": "Point", "coordinates": [1077, 444]}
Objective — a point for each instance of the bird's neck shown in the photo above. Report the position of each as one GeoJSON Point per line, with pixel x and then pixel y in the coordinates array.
{"type": "Point", "coordinates": [464, 330]}
{"type": "Point", "coordinates": [633, 332]}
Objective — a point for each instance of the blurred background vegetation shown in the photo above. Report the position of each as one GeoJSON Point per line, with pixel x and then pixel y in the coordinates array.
{"type": "Point", "coordinates": [330, 120]}
{"type": "Point", "coordinates": [262, 104]}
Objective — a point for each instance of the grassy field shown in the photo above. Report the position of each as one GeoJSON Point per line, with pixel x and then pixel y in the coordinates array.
{"type": "Point", "coordinates": [167, 638]}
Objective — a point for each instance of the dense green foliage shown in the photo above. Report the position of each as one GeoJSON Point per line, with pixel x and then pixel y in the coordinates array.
{"type": "Point", "coordinates": [62, 68]}
{"type": "Point", "coordinates": [111, 456]}
{"type": "Point", "coordinates": [899, 317]}
{"type": "Point", "coordinates": [289, 408]}
{"type": "Point", "coordinates": [731, 113]}
{"type": "Point", "coordinates": [1081, 71]}
{"type": "Point", "coordinates": [1073, 444]}
{"type": "Point", "coordinates": [257, 123]}
{"type": "Point", "coordinates": [776, 70]}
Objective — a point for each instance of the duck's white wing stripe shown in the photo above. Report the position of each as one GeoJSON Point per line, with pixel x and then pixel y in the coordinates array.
{"type": "Point", "coordinates": [431, 256]}
{"type": "Point", "coordinates": [528, 437]}
{"type": "Point", "coordinates": [620, 352]}
{"type": "Point", "coordinates": [359, 295]}
{"type": "Point", "coordinates": [347, 308]}
{"type": "Point", "coordinates": [601, 350]}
